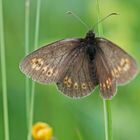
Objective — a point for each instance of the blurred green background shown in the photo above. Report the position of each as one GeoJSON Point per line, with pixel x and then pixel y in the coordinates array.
{"type": "Point", "coordinates": [68, 117]}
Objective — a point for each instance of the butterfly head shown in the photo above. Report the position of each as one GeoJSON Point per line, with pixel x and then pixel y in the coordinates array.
{"type": "Point", "coordinates": [90, 37]}
{"type": "Point", "coordinates": [90, 34]}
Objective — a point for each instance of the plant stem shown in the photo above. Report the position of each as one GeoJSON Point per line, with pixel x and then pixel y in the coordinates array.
{"type": "Point", "coordinates": [27, 86]}
{"type": "Point", "coordinates": [100, 28]}
{"type": "Point", "coordinates": [106, 103]}
{"type": "Point", "coordinates": [79, 134]}
{"type": "Point", "coordinates": [3, 73]}
{"type": "Point", "coordinates": [107, 119]}
{"type": "Point", "coordinates": [33, 84]}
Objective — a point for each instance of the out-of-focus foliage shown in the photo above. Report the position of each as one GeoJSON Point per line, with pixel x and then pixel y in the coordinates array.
{"type": "Point", "coordinates": [69, 118]}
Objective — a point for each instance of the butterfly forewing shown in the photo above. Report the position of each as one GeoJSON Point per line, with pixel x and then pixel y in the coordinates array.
{"type": "Point", "coordinates": [123, 67]}
{"type": "Point", "coordinates": [107, 82]}
{"type": "Point", "coordinates": [77, 81]}
{"type": "Point", "coordinates": [46, 64]}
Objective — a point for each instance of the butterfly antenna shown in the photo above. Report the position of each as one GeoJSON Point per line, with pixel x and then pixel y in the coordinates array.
{"type": "Point", "coordinates": [101, 20]}
{"type": "Point", "coordinates": [78, 18]}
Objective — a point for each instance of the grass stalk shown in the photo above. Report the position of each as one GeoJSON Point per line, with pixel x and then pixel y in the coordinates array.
{"type": "Point", "coordinates": [100, 28]}
{"type": "Point", "coordinates": [27, 85]}
{"type": "Point", "coordinates": [3, 74]}
{"type": "Point", "coordinates": [106, 103]}
{"type": "Point", "coordinates": [107, 119]}
{"type": "Point", "coordinates": [36, 38]}
{"type": "Point", "coordinates": [79, 134]}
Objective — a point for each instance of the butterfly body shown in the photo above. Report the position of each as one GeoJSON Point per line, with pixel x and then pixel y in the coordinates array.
{"type": "Point", "coordinates": [78, 65]}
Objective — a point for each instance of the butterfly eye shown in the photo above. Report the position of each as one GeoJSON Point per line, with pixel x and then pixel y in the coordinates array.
{"type": "Point", "coordinates": [65, 80]}
{"type": "Point", "coordinates": [69, 83]}
{"type": "Point", "coordinates": [50, 72]}
{"type": "Point", "coordinates": [83, 86]}
{"type": "Point", "coordinates": [44, 69]}
{"type": "Point", "coordinates": [36, 63]}
{"type": "Point", "coordinates": [75, 85]}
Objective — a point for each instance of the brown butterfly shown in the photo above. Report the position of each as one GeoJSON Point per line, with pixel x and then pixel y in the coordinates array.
{"type": "Point", "coordinates": [78, 65]}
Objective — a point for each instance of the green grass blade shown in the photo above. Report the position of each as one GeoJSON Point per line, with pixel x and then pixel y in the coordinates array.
{"type": "Point", "coordinates": [3, 73]}
{"type": "Point", "coordinates": [37, 24]}
{"type": "Point", "coordinates": [27, 86]}
{"type": "Point", "coordinates": [108, 119]}
{"type": "Point", "coordinates": [33, 84]}
{"type": "Point", "coordinates": [79, 134]}
{"type": "Point", "coordinates": [106, 103]}
{"type": "Point", "coordinates": [100, 28]}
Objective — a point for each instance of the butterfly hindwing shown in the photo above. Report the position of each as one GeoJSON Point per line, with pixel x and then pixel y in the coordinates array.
{"type": "Point", "coordinates": [77, 81]}
{"type": "Point", "coordinates": [46, 64]}
{"type": "Point", "coordinates": [107, 82]}
{"type": "Point", "coordinates": [123, 66]}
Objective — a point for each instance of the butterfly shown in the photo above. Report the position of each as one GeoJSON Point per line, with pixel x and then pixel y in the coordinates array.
{"type": "Point", "coordinates": [79, 65]}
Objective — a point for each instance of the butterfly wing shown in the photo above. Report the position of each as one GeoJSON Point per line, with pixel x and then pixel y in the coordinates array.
{"type": "Point", "coordinates": [46, 64]}
{"type": "Point", "coordinates": [123, 66]}
{"type": "Point", "coordinates": [107, 82]}
{"type": "Point", "coordinates": [77, 81]}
